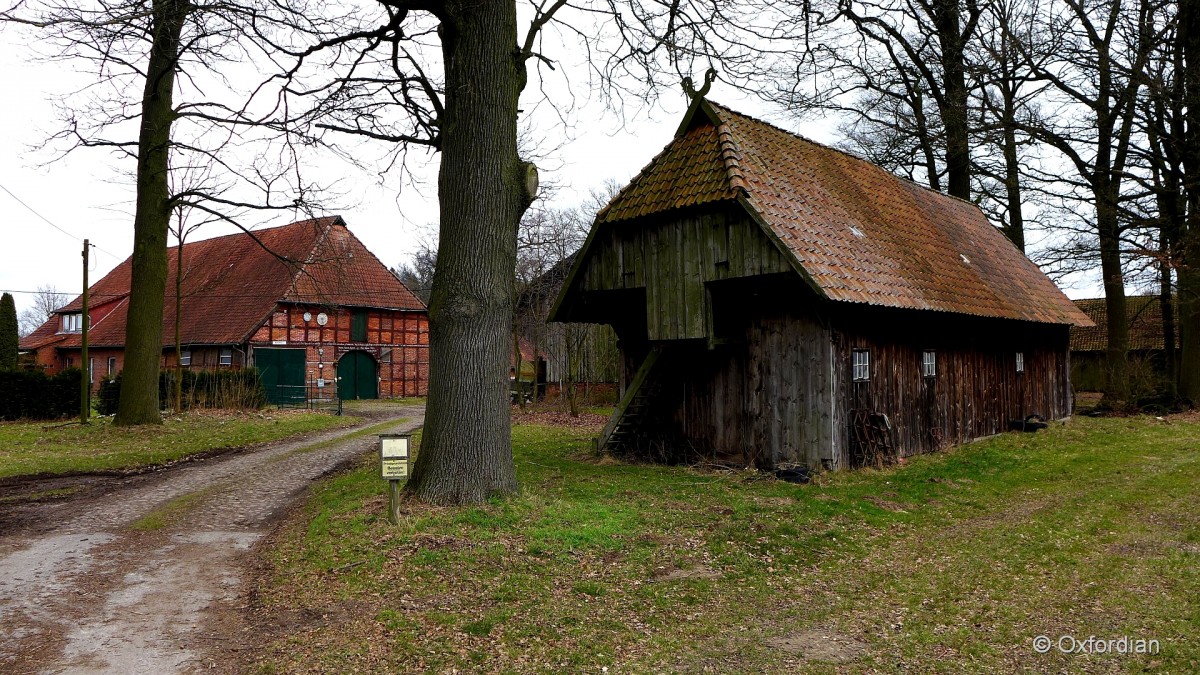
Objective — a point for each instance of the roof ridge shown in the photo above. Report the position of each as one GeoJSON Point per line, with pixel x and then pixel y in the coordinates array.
{"type": "Point", "coordinates": [841, 151]}
{"type": "Point", "coordinates": [731, 156]}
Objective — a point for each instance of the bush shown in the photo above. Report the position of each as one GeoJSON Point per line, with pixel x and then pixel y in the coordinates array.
{"type": "Point", "coordinates": [239, 389]}
{"type": "Point", "coordinates": [31, 394]}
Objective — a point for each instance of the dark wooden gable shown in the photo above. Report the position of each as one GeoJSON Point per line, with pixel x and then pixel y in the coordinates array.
{"type": "Point", "coordinates": [671, 258]}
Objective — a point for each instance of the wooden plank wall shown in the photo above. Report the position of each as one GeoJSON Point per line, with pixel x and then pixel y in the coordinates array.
{"type": "Point", "coordinates": [764, 400]}
{"type": "Point", "coordinates": [673, 259]}
{"type": "Point", "coordinates": [976, 391]}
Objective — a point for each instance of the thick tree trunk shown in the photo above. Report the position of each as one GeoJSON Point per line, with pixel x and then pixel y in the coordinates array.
{"type": "Point", "coordinates": [947, 19]}
{"type": "Point", "coordinates": [1015, 228]}
{"type": "Point", "coordinates": [143, 332]}
{"type": "Point", "coordinates": [1189, 274]}
{"type": "Point", "coordinates": [1116, 389]}
{"type": "Point", "coordinates": [466, 449]}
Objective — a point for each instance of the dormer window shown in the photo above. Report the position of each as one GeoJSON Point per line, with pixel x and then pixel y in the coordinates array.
{"type": "Point", "coordinates": [72, 323]}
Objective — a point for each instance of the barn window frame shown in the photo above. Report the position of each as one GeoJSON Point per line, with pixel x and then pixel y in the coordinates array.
{"type": "Point", "coordinates": [226, 356]}
{"type": "Point", "coordinates": [860, 365]}
{"type": "Point", "coordinates": [185, 357]}
{"type": "Point", "coordinates": [929, 363]}
{"type": "Point", "coordinates": [1020, 362]}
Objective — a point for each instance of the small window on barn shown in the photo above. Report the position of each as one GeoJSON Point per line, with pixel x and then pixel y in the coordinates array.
{"type": "Point", "coordinates": [72, 323]}
{"type": "Point", "coordinates": [185, 357]}
{"type": "Point", "coordinates": [358, 326]}
{"type": "Point", "coordinates": [1020, 362]}
{"type": "Point", "coordinates": [929, 363]}
{"type": "Point", "coordinates": [861, 360]}
{"type": "Point", "coordinates": [226, 356]}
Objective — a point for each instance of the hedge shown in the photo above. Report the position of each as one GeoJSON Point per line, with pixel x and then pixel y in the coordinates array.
{"type": "Point", "coordinates": [238, 388]}
{"type": "Point", "coordinates": [32, 395]}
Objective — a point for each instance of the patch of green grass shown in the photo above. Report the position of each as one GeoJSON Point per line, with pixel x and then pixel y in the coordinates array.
{"type": "Point", "coordinates": [171, 512]}
{"type": "Point", "coordinates": [28, 448]}
{"type": "Point", "coordinates": [952, 561]}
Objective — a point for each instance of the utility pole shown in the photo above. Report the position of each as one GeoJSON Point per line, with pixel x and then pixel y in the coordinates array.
{"type": "Point", "coordinates": [85, 397]}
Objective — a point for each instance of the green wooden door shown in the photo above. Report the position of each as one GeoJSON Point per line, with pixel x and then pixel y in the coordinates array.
{"type": "Point", "coordinates": [282, 372]}
{"type": "Point", "coordinates": [357, 377]}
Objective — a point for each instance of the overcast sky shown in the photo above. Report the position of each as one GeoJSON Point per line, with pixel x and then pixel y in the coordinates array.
{"type": "Point", "coordinates": [84, 194]}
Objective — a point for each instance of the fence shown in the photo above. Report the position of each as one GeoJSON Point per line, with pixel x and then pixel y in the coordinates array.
{"type": "Point", "coordinates": [308, 395]}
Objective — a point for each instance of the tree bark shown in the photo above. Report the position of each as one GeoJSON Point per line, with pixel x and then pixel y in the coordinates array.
{"type": "Point", "coordinates": [947, 20]}
{"type": "Point", "coordinates": [1189, 274]}
{"type": "Point", "coordinates": [138, 403]}
{"type": "Point", "coordinates": [466, 449]}
{"type": "Point", "coordinates": [1116, 388]}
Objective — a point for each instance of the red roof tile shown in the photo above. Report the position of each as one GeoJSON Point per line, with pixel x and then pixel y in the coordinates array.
{"type": "Point", "coordinates": [860, 233]}
{"type": "Point", "coordinates": [232, 283]}
{"type": "Point", "coordinates": [1145, 324]}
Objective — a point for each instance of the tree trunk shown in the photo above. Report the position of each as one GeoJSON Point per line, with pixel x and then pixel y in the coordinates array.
{"type": "Point", "coordinates": [1015, 229]}
{"type": "Point", "coordinates": [466, 449]}
{"type": "Point", "coordinates": [1189, 274]}
{"type": "Point", "coordinates": [947, 20]}
{"type": "Point", "coordinates": [177, 389]}
{"type": "Point", "coordinates": [143, 332]}
{"type": "Point", "coordinates": [1116, 389]}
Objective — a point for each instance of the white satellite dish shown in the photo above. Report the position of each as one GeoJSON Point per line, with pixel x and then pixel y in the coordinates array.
{"type": "Point", "coordinates": [322, 319]}
{"type": "Point", "coordinates": [307, 317]}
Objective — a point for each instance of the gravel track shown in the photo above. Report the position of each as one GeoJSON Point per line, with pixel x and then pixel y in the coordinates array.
{"type": "Point", "coordinates": [84, 590]}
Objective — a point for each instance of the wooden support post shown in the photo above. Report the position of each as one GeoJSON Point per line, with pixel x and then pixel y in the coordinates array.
{"type": "Point", "coordinates": [394, 502]}
{"type": "Point", "coordinates": [85, 393]}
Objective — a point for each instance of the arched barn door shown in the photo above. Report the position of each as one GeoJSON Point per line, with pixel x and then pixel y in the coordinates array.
{"type": "Point", "coordinates": [358, 376]}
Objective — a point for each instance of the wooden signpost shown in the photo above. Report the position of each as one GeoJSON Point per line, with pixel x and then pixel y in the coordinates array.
{"type": "Point", "coordinates": [393, 467]}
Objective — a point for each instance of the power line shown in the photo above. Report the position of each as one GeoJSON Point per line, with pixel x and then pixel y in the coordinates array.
{"type": "Point", "coordinates": [51, 224]}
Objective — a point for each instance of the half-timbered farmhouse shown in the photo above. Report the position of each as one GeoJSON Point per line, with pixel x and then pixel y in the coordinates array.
{"type": "Point", "coordinates": [781, 303]}
{"type": "Point", "coordinates": [306, 303]}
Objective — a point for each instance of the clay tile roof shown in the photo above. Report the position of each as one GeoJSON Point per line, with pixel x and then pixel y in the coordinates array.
{"type": "Point", "coordinates": [232, 283]}
{"type": "Point", "coordinates": [859, 233]}
{"type": "Point", "coordinates": [1145, 324]}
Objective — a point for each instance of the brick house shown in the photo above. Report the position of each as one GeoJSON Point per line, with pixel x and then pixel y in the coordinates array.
{"type": "Point", "coordinates": [306, 303]}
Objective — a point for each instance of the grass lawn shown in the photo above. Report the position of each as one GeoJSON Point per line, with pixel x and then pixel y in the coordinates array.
{"type": "Point", "coordinates": [953, 562]}
{"type": "Point", "coordinates": [42, 447]}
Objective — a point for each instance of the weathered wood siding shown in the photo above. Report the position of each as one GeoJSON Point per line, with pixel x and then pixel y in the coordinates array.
{"type": "Point", "coordinates": [976, 391]}
{"type": "Point", "coordinates": [673, 260]}
{"type": "Point", "coordinates": [763, 400]}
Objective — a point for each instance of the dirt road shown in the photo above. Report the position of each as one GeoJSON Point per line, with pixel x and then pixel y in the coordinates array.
{"type": "Point", "coordinates": [134, 575]}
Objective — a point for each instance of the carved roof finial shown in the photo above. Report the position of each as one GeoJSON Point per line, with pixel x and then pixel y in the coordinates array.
{"type": "Point", "coordinates": [690, 89]}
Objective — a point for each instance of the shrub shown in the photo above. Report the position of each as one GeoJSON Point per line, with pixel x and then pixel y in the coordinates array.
{"type": "Point", "coordinates": [239, 388]}
{"type": "Point", "coordinates": [30, 394]}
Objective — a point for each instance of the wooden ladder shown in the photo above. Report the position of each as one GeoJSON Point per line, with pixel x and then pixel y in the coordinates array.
{"type": "Point", "coordinates": [639, 395]}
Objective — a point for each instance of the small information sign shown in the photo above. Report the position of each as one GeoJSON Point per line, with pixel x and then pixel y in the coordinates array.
{"type": "Point", "coordinates": [393, 457]}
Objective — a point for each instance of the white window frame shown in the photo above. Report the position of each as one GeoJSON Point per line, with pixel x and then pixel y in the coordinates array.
{"type": "Point", "coordinates": [91, 370]}
{"type": "Point", "coordinates": [929, 363]}
{"type": "Point", "coordinates": [185, 357]}
{"type": "Point", "coordinates": [226, 356]}
{"type": "Point", "coordinates": [112, 366]}
{"type": "Point", "coordinates": [72, 323]}
{"type": "Point", "coordinates": [1020, 362]}
{"type": "Point", "coordinates": [860, 364]}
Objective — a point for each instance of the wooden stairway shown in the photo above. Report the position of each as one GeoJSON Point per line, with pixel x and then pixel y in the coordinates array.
{"type": "Point", "coordinates": [633, 406]}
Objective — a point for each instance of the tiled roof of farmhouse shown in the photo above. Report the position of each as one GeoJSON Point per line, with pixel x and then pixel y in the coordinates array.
{"type": "Point", "coordinates": [232, 283]}
{"type": "Point", "coordinates": [1145, 324]}
{"type": "Point", "coordinates": [857, 232]}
